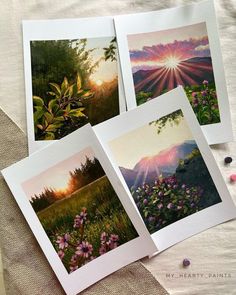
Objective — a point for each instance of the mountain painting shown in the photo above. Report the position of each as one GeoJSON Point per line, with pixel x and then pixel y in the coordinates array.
{"type": "Point", "coordinates": [165, 171]}
{"type": "Point", "coordinates": [163, 60]}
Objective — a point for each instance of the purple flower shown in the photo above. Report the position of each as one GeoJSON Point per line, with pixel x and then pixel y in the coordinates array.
{"type": "Point", "coordinates": [151, 219]}
{"type": "Point", "coordinates": [102, 250]}
{"type": "Point", "coordinates": [103, 237]}
{"type": "Point", "coordinates": [80, 219]}
{"type": "Point", "coordinates": [73, 260]}
{"type": "Point", "coordinates": [63, 241]}
{"type": "Point", "coordinates": [145, 201]}
{"type": "Point", "coordinates": [84, 249]}
{"type": "Point", "coordinates": [114, 238]}
{"type": "Point", "coordinates": [205, 82]}
{"type": "Point", "coordinates": [159, 206]}
{"type": "Point", "coordinates": [160, 194]}
{"type": "Point", "coordinates": [183, 186]}
{"type": "Point", "coordinates": [204, 102]}
{"type": "Point", "coordinates": [170, 206]}
{"type": "Point", "coordinates": [113, 241]}
{"type": "Point", "coordinates": [61, 254]}
{"type": "Point", "coordinates": [204, 93]}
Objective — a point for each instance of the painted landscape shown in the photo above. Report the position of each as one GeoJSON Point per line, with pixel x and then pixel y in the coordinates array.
{"type": "Point", "coordinates": [73, 82]}
{"type": "Point", "coordinates": [79, 210]}
{"type": "Point", "coordinates": [165, 173]}
{"type": "Point", "coordinates": [163, 60]}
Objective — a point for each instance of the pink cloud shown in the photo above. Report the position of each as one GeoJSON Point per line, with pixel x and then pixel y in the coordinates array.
{"type": "Point", "coordinates": [193, 47]}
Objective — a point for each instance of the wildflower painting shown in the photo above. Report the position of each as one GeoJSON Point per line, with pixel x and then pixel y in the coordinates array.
{"type": "Point", "coordinates": [165, 172]}
{"type": "Point", "coordinates": [79, 210]}
{"type": "Point", "coordinates": [74, 82]}
{"type": "Point", "coordinates": [163, 60]}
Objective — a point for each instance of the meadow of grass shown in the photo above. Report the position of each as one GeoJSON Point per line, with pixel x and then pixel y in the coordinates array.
{"type": "Point", "coordinates": [105, 213]}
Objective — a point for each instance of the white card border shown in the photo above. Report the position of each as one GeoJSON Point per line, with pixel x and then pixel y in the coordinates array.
{"type": "Point", "coordinates": [104, 265]}
{"type": "Point", "coordinates": [150, 111]}
{"type": "Point", "coordinates": [174, 18]}
{"type": "Point", "coordinates": [61, 29]}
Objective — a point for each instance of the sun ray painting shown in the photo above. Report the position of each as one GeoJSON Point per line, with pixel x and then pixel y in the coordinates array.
{"type": "Point", "coordinates": [163, 60]}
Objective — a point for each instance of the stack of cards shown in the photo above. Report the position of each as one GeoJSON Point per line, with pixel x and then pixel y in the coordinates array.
{"type": "Point", "coordinates": [115, 186]}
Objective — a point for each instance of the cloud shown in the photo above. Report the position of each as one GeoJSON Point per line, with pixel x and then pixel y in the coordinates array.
{"type": "Point", "coordinates": [181, 49]}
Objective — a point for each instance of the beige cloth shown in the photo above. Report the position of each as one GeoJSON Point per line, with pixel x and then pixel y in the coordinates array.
{"type": "Point", "coordinates": [26, 270]}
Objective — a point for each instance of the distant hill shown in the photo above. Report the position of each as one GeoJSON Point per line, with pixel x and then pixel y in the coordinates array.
{"type": "Point", "coordinates": [191, 72]}
{"type": "Point", "coordinates": [165, 163]}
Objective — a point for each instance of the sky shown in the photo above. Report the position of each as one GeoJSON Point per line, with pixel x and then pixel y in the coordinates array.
{"type": "Point", "coordinates": [107, 70]}
{"type": "Point", "coordinates": [154, 48]}
{"type": "Point", "coordinates": [57, 176]}
{"type": "Point", "coordinates": [131, 147]}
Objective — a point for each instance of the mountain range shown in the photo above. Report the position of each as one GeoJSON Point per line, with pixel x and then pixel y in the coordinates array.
{"type": "Point", "coordinates": [191, 72]}
{"type": "Point", "coordinates": [165, 162]}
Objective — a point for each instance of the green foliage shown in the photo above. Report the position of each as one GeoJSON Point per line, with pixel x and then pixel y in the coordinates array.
{"type": "Point", "coordinates": [63, 112]}
{"type": "Point", "coordinates": [43, 200]}
{"type": "Point", "coordinates": [142, 97]}
{"type": "Point", "coordinates": [110, 52]}
{"type": "Point", "coordinates": [173, 118]}
{"type": "Point", "coordinates": [61, 109]}
{"type": "Point", "coordinates": [193, 171]}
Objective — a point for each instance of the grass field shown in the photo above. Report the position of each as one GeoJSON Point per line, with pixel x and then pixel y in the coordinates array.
{"type": "Point", "coordinates": [105, 214]}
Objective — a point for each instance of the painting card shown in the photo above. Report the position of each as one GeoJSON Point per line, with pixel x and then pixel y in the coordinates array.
{"type": "Point", "coordinates": [168, 168]}
{"type": "Point", "coordinates": [180, 46]}
{"type": "Point", "coordinates": [78, 210]}
{"type": "Point", "coordinates": [71, 75]}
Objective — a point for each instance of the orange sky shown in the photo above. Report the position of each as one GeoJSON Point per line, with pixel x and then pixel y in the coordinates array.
{"type": "Point", "coordinates": [57, 176]}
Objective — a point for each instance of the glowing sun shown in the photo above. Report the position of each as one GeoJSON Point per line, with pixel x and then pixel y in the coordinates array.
{"type": "Point", "coordinates": [99, 82]}
{"type": "Point", "coordinates": [172, 62]}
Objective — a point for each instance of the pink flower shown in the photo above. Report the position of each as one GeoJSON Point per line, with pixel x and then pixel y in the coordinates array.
{"type": "Point", "coordinates": [170, 206]}
{"type": "Point", "coordinates": [73, 260]}
{"type": "Point", "coordinates": [205, 82]}
{"type": "Point", "coordinates": [61, 254]}
{"type": "Point", "coordinates": [84, 249]}
{"type": "Point", "coordinates": [103, 237]}
{"type": "Point", "coordinates": [80, 219]}
{"type": "Point", "coordinates": [114, 238]}
{"type": "Point", "coordinates": [63, 241]}
{"type": "Point", "coordinates": [102, 249]}
{"type": "Point", "coordinates": [194, 94]}
{"type": "Point", "coordinates": [204, 93]}
{"type": "Point", "coordinates": [160, 206]}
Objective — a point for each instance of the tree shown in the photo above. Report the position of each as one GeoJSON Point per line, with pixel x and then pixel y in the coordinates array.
{"type": "Point", "coordinates": [173, 119]}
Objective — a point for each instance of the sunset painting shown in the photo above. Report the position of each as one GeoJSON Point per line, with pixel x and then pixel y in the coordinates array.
{"type": "Point", "coordinates": [79, 210]}
{"type": "Point", "coordinates": [164, 171]}
{"type": "Point", "coordinates": [74, 82]}
{"type": "Point", "coordinates": [165, 59]}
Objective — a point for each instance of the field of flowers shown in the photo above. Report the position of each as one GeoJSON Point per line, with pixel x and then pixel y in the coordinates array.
{"type": "Point", "coordinates": [166, 202]}
{"type": "Point", "coordinates": [87, 224]}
